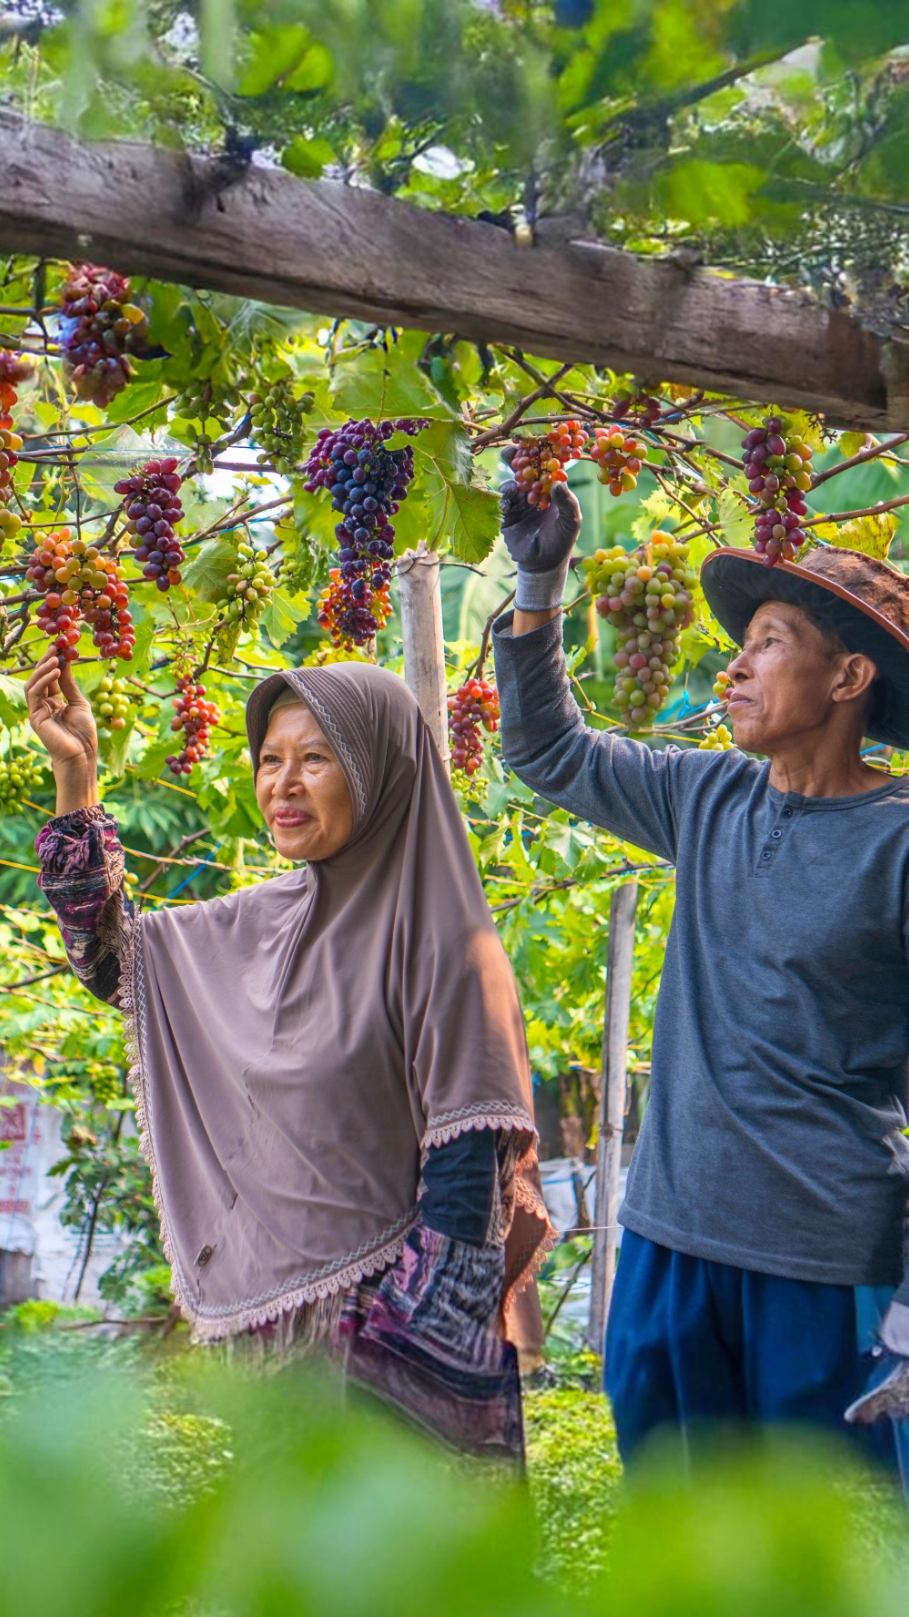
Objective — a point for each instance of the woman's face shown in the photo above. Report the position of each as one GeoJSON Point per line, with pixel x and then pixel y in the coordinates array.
{"type": "Point", "coordinates": [301, 788]}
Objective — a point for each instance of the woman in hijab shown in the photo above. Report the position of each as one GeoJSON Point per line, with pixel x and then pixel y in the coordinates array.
{"type": "Point", "coordinates": [330, 1068]}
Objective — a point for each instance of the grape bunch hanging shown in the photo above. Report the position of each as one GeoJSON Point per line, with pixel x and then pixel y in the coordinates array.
{"type": "Point", "coordinates": [778, 467]}
{"type": "Point", "coordinates": [249, 588]}
{"type": "Point", "coordinates": [20, 776]}
{"type": "Point", "coordinates": [618, 457]}
{"type": "Point", "coordinates": [473, 707]}
{"type": "Point", "coordinates": [79, 584]}
{"type": "Point", "coordinates": [278, 423]}
{"type": "Point", "coordinates": [718, 740]}
{"type": "Point", "coordinates": [646, 595]}
{"type": "Point", "coordinates": [195, 717]}
{"type": "Point", "coordinates": [538, 463]}
{"type": "Point", "coordinates": [13, 370]}
{"type": "Point", "coordinates": [99, 329]}
{"type": "Point", "coordinates": [111, 703]}
{"type": "Point", "coordinates": [153, 510]}
{"type": "Point", "coordinates": [367, 483]}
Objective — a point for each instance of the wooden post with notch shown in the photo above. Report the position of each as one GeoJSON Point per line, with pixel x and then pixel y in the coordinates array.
{"type": "Point", "coordinates": [420, 598]}
{"type": "Point", "coordinates": [613, 1094]}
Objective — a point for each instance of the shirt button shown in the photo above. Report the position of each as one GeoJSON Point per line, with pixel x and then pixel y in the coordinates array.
{"type": "Point", "coordinates": [767, 854]}
{"type": "Point", "coordinates": [203, 1257]}
{"type": "Point", "coordinates": [776, 833]}
{"type": "Point", "coordinates": [788, 813]}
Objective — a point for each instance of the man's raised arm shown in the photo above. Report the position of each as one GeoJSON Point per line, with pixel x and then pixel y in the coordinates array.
{"type": "Point", "coordinates": [609, 780]}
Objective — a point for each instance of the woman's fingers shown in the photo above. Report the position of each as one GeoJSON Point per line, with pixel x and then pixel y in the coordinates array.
{"type": "Point", "coordinates": [42, 684]}
{"type": "Point", "coordinates": [68, 684]}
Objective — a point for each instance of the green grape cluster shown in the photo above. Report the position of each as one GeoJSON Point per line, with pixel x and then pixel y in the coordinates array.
{"type": "Point", "coordinates": [206, 399]}
{"type": "Point", "coordinates": [646, 595]}
{"type": "Point", "coordinates": [20, 775]}
{"type": "Point", "coordinates": [249, 588]}
{"type": "Point", "coordinates": [718, 740]}
{"type": "Point", "coordinates": [111, 703]}
{"type": "Point", "coordinates": [278, 423]}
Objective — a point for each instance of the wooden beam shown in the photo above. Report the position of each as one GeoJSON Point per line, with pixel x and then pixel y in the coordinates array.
{"type": "Point", "coordinates": [344, 250]}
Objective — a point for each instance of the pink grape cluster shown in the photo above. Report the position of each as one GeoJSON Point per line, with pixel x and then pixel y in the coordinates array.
{"type": "Point", "coordinates": [98, 329]}
{"type": "Point", "coordinates": [777, 464]}
{"type": "Point", "coordinates": [153, 509]}
{"type": "Point", "coordinates": [472, 708]}
{"type": "Point", "coordinates": [194, 716]}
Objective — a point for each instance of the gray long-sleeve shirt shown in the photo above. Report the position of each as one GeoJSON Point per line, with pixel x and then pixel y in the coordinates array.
{"type": "Point", "coordinates": [772, 1138]}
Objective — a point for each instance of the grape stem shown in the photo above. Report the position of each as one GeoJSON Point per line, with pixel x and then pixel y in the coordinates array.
{"type": "Point", "coordinates": [859, 459]}
{"type": "Point", "coordinates": [476, 671]}
{"type": "Point", "coordinates": [506, 427]}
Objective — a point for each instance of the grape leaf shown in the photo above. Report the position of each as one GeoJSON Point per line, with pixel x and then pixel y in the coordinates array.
{"type": "Point", "coordinates": [735, 522]}
{"type": "Point", "coordinates": [379, 385]}
{"type": "Point", "coordinates": [851, 443]}
{"type": "Point", "coordinates": [206, 575]}
{"type": "Point", "coordinates": [281, 616]}
{"type": "Point", "coordinates": [872, 535]}
{"type": "Point", "coordinates": [13, 708]}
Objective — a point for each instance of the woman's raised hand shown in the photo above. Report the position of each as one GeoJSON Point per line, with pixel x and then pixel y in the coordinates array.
{"type": "Point", "coordinates": [64, 723]}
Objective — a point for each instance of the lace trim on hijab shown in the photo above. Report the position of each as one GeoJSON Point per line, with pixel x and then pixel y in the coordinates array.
{"type": "Point", "coordinates": [447, 1126]}
{"type": "Point", "coordinates": [231, 1320]}
{"type": "Point", "coordinates": [330, 729]}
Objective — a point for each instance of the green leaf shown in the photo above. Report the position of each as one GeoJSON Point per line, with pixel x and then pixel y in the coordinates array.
{"type": "Point", "coordinates": [206, 575]}
{"type": "Point", "coordinates": [380, 385]}
{"type": "Point", "coordinates": [281, 616]}
{"type": "Point", "coordinates": [734, 520]}
{"type": "Point", "coordinates": [852, 443]}
{"type": "Point", "coordinates": [13, 706]}
{"type": "Point", "coordinates": [469, 520]}
{"type": "Point", "coordinates": [273, 54]}
{"type": "Point", "coordinates": [307, 158]}
{"type": "Point", "coordinates": [709, 193]}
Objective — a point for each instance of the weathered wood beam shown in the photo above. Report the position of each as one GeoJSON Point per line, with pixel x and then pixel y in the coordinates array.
{"type": "Point", "coordinates": [343, 250]}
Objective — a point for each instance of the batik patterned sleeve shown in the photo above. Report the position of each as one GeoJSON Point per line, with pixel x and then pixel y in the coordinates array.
{"type": "Point", "coordinates": [82, 878]}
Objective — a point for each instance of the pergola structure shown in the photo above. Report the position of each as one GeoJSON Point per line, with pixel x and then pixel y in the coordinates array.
{"type": "Point", "coordinates": [345, 250]}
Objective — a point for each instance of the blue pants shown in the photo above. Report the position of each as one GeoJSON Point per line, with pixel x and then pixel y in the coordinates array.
{"type": "Point", "coordinates": [691, 1342]}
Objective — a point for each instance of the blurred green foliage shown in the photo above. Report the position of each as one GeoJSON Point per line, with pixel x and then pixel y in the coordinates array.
{"type": "Point", "coordinates": [167, 1483]}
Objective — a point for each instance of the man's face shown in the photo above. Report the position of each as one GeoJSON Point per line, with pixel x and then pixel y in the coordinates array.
{"type": "Point", "coordinates": [783, 680]}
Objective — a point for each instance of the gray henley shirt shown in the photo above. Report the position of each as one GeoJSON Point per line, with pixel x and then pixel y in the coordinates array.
{"type": "Point", "coordinates": [772, 1138]}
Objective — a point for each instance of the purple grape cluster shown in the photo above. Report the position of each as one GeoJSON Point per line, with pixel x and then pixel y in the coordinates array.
{"type": "Point", "coordinates": [152, 508]}
{"type": "Point", "coordinates": [367, 483]}
{"type": "Point", "coordinates": [777, 464]}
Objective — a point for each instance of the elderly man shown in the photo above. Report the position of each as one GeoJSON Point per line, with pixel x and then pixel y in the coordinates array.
{"type": "Point", "coordinates": [764, 1214]}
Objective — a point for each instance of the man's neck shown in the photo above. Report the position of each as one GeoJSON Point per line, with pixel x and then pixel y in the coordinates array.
{"type": "Point", "coordinates": [822, 770]}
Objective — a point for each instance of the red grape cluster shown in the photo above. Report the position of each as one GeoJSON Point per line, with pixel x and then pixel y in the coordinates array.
{"type": "Point", "coordinates": [476, 704]}
{"type": "Point", "coordinates": [12, 371]}
{"type": "Point", "coordinates": [194, 716]}
{"type": "Point", "coordinates": [777, 465]}
{"type": "Point", "coordinates": [153, 509]}
{"type": "Point", "coordinates": [367, 483]}
{"type": "Point", "coordinates": [618, 456]}
{"type": "Point", "coordinates": [540, 462]}
{"type": "Point", "coordinates": [644, 407]}
{"type": "Point", "coordinates": [99, 327]}
{"type": "Point", "coordinates": [78, 583]}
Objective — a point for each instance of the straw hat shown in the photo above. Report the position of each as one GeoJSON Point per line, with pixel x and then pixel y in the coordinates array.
{"type": "Point", "coordinates": [864, 600]}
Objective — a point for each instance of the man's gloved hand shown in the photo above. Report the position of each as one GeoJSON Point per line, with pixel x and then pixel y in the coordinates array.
{"type": "Point", "coordinates": [540, 542]}
{"type": "Point", "coordinates": [887, 1393]}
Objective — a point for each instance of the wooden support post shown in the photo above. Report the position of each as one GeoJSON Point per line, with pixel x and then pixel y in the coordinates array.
{"type": "Point", "coordinates": [424, 645]}
{"type": "Point", "coordinates": [613, 1092]}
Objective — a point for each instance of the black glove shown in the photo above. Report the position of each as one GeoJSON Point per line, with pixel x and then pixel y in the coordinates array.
{"type": "Point", "coordinates": [540, 542]}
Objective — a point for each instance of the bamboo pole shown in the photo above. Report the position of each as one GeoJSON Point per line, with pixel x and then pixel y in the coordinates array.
{"type": "Point", "coordinates": [613, 1093]}
{"type": "Point", "coordinates": [424, 646]}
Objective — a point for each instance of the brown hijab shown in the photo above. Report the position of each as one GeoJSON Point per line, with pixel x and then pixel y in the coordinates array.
{"type": "Point", "coordinates": [301, 1043]}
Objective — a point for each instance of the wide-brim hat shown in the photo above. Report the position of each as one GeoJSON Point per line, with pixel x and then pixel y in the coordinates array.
{"type": "Point", "coordinates": [865, 600]}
